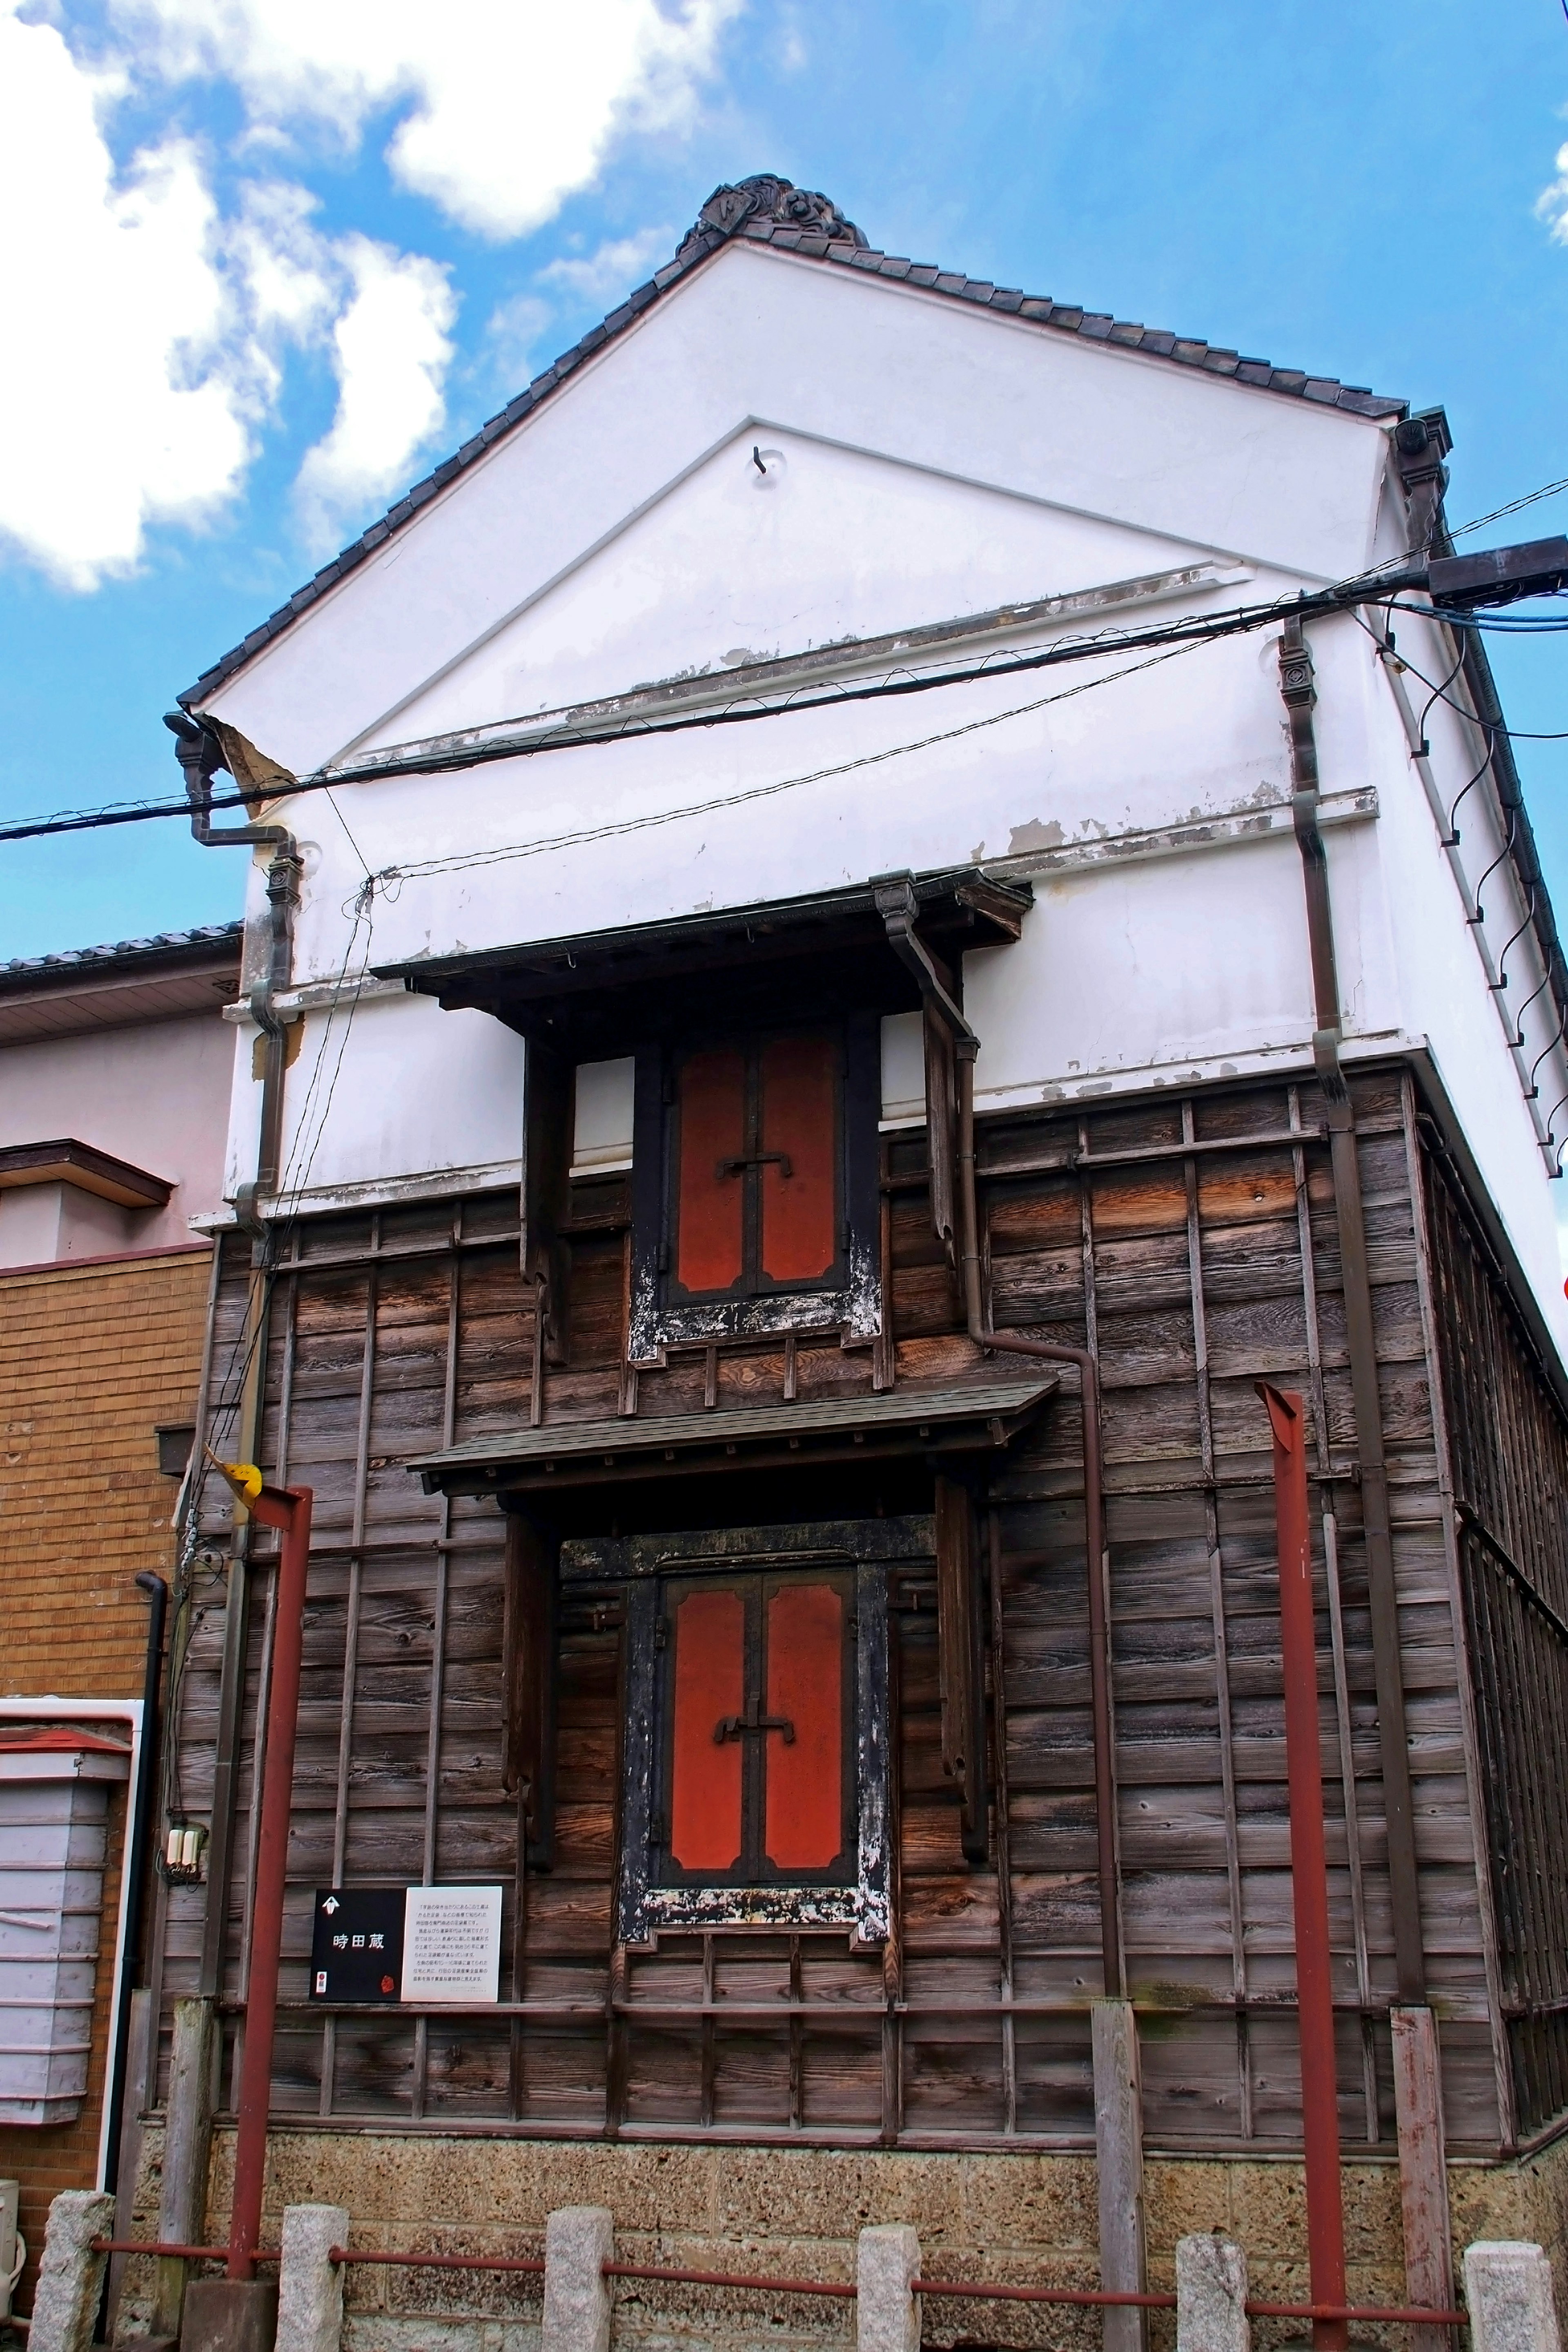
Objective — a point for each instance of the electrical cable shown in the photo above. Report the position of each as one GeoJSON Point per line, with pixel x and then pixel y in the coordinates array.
{"type": "Point", "coordinates": [1191, 629]}
{"type": "Point", "coordinates": [463, 861]}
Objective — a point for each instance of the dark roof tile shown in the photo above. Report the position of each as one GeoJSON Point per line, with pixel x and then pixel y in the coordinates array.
{"type": "Point", "coordinates": [770, 211]}
{"type": "Point", "coordinates": [207, 937]}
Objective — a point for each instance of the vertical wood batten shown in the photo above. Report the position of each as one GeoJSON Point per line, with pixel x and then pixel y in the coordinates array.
{"type": "Point", "coordinates": [1003, 1832]}
{"type": "Point", "coordinates": [1221, 1645]}
{"type": "Point", "coordinates": [1352, 1818]}
{"type": "Point", "coordinates": [438, 1640]}
{"type": "Point", "coordinates": [351, 1631]}
{"type": "Point", "coordinates": [280, 1457]}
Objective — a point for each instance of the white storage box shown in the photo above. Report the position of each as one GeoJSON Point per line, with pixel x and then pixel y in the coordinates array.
{"type": "Point", "coordinates": [54, 1826]}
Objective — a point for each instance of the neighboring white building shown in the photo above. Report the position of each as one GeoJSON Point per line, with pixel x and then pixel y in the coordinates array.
{"type": "Point", "coordinates": [114, 1075]}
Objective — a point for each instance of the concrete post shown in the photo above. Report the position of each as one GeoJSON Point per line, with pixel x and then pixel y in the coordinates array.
{"type": "Point", "coordinates": [10, 2242]}
{"type": "Point", "coordinates": [187, 2144]}
{"type": "Point", "coordinates": [1422, 2172]}
{"type": "Point", "coordinates": [1508, 2290]}
{"type": "Point", "coordinates": [579, 2239]}
{"type": "Point", "coordinates": [1211, 2295]}
{"type": "Point", "coordinates": [310, 2285]}
{"type": "Point", "coordinates": [1119, 2150]}
{"type": "Point", "coordinates": [65, 2305]}
{"type": "Point", "coordinates": [887, 2309]}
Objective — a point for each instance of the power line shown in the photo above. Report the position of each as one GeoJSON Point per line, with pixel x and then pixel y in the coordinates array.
{"type": "Point", "coordinates": [463, 860]}
{"type": "Point", "coordinates": [1514, 506]}
{"type": "Point", "coordinates": [1196, 629]}
{"type": "Point", "coordinates": [1372, 587]}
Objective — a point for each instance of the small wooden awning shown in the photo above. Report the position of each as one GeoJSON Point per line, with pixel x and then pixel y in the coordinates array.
{"type": "Point", "coordinates": [980, 1418]}
{"type": "Point", "coordinates": [794, 957]}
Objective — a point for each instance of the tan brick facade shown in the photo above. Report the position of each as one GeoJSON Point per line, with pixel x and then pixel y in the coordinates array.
{"type": "Point", "coordinates": [91, 1358]}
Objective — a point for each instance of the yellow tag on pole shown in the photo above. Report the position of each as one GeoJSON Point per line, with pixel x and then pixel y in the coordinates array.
{"type": "Point", "coordinates": [244, 1478]}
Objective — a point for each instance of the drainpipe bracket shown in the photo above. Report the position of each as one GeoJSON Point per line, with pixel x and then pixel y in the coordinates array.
{"type": "Point", "coordinates": [1326, 1045]}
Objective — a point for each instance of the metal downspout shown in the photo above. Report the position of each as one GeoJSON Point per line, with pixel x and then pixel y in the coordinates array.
{"type": "Point", "coordinates": [201, 756]}
{"type": "Point", "coordinates": [1300, 694]}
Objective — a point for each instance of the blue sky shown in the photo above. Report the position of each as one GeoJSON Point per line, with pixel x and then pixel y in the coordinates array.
{"type": "Point", "coordinates": [262, 261]}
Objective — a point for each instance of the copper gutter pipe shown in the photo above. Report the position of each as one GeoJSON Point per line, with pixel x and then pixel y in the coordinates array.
{"type": "Point", "coordinates": [287, 1508]}
{"type": "Point", "coordinates": [1014, 1343]}
{"type": "Point", "coordinates": [1299, 693]}
{"type": "Point", "coordinates": [1308, 1867]}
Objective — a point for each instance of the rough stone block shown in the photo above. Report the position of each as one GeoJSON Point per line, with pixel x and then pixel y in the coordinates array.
{"type": "Point", "coordinates": [309, 2285]}
{"type": "Point", "coordinates": [64, 2302]}
{"type": "Point", "coordinates": [579, 2239]}
{"type": "Point", "coordinates": [1268, 2210]}
{"type": "Point", "coordinates": [833, 2192]}
{"type": "Point", "coordinates": [1179, 2198]}
{"type": "Point", "coordinates": [230, 2316]}
{"type": "Point", "coordinates": [1211, 2294]}
{"type": "Point", "coordinates": [1508, 2285]}
{"type": "Point", "coordinates": [1027, 2202]}
{"type": "Point", "coordinates": [886, 2310]}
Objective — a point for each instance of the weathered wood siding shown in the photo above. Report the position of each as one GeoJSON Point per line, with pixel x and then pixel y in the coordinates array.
{"type": "Point", "coordinates": [1195, 1270]}
{"type": "Point", "coordinates": [1508, 1451]}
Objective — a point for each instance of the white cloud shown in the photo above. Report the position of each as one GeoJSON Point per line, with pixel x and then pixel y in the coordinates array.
{"type": "Point", "coordinates": [148, 325]}
{"type": "Point", "coordinates": [608, 276]}
{"type": "Point", "coordinates": [512, 333]}
{"type": "Point", "coordinates": [113, 410]}
{"type": "Point", "coordinates": [1552, 205]}
{"type": "Point", "coordinates": [390, 352]}
{"type": "Point", "coordinates": [510, 105]}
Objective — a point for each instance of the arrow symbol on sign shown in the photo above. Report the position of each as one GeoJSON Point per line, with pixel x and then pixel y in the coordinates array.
{"type": "Point", "coordinates": [331, 1904]}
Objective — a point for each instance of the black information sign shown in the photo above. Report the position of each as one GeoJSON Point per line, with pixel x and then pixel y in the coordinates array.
{"type": "Point", "coordinates": [356, 1948]}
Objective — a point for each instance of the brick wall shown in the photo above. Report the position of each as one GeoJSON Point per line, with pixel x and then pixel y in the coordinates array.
{"type": "Point", "coordinates": [91, 1358]}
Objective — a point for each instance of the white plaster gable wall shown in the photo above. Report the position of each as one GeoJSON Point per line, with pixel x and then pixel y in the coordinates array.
{"type": "Point", "coordinates": [402, 1091]}
{"type": "Point", "coordinates": [1442, 981]}
{"type": "Point", "coordinates": [860, 363]}
{"type": "Point", "coordinates": [820, 543]}
{"type": "Point", "coordinates": [1167, 745]}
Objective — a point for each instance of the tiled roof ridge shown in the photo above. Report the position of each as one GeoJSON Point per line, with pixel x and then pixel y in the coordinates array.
{"type": "Point", "coordinates": [69, 960]}
{"type": "Point", "coordinates": [767, 210]}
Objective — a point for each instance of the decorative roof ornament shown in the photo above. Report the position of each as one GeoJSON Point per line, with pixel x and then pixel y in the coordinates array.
{"type": "Point", "coordinates": [765, 196]}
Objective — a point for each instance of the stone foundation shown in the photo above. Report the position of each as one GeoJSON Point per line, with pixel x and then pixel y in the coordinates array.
{"type": "Point", "coordinates": [796, 2211]}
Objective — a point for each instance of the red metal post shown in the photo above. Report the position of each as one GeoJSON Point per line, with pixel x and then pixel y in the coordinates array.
{"type": "Point", "coordinates": [1308, 1868]}
{"type": "Point", "coordinates": [287, 1508]}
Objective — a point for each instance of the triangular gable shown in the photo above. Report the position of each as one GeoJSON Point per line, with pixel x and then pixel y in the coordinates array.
{"type": "Point", "coordinates": [770, 211]}
{"type": "Point", "coordinates": [777, 543]}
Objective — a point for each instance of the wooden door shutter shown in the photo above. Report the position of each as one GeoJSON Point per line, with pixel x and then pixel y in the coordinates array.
{"type": "Point", "coordinates": [804, 1815]}
{"type": "Point", "coordinates": [798, 1079]}
{"type": "Point", "coordinates": [709, 1238]}
{"type": "Point", "coordinates": [709, 1630]}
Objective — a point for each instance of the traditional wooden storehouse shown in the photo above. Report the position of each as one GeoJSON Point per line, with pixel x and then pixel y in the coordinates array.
{"type": "Point", "coordinates": [834, 975]}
